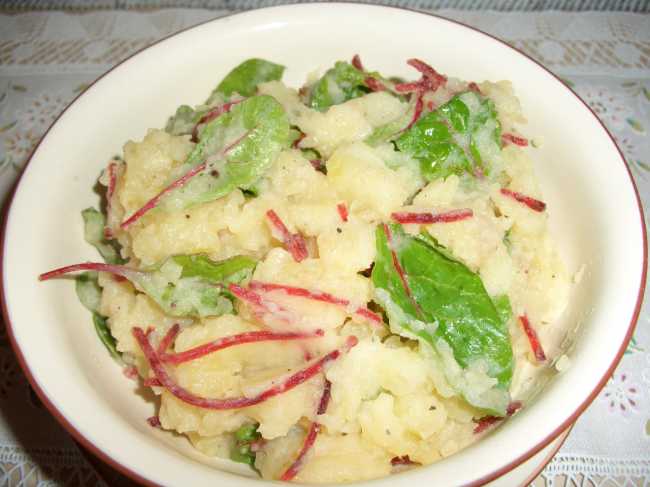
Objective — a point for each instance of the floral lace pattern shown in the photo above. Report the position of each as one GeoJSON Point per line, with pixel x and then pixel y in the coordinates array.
{"type": "Point", "coordinates": [48, 58]}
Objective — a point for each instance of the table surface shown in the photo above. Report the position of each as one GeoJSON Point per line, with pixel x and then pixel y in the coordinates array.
{"type": "Point", "coordinates": [49, 56]}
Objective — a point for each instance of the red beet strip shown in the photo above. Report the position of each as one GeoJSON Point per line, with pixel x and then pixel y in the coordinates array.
{"type": "Point", "coordinates": [188, 397]}
{"type": "Point", "coordinates": [486, 421]}
{"type": "Point", "coordinates": [374, 84]}
{"type": "Point", "coordinates": [154, 421]}
{"type": "Point", "coordinates": [153, 202]}
{"type": "Point", "coordinates": [431, 80]}
{"type": "Point", "coordinates": [112, 181]}
{"type": "Point", "coordinates": [310, 439]}
{"type": "Point", "coordinates": [231, 341]}
{"type": "Point", "coordinates": [419, 106]}
{"type": "Point", "coordinates": [474, 87]}
{"type": "Point", "coordinates": [356, 62]}
{"type": "Point", "coordinates": [317, 164]}
{"type": "Point", "coordinates": [211, 115]}
{"type": "Point", "coordinates": [343, 211]}
{"type": "Point", "coordinates": [315, 296]}
{"type": "Point", "coordinates": [400, 270]}
{"type": "Point", "coordinates": [130, 372]}
{"type": "Point", "coordinates": [257, 301]}
{"type": "Point", "coordinates": [535, 345]}
{"type": "Point", "coordinates": [532, 203]}
{"type": "Point", "coordinates": [169, 338]}
{"type": "Point", "coordinates": [151, 382]}
{"type": "Point", "coordinates": [403, 460]}
{"type": "Point", "coordinates": [89, 266]}
{"type": "Point", "coordinates": [427, 218]}
{"type": "Point", "coordinates": [294, 242]}
{"type": "Point", "coordinates": [508, 138]}
{"type": "Point", "coordinates": [428, 72]}
{"type": "Point", "coordinates": [296, 143]}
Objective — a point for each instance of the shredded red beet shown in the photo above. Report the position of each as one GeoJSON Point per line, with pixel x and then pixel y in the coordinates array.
{"type": "Point", "coordinates": [153, 202]}
{"type": "Point", "coordinates": [211, 115]}
{"type": "Point", "coordinates": [112, 181]}
{"type": "Point", "coordinates": [474, 87]}
{"type": "Point", "coordinates": [428, 72]}
{"type": "Point", "coordinates": [427, 218]}
{"type": "Point", "coordinates": [130, 372]}
{"type": "Point", "coordinates": [259, 304]}
{"type": "Point", "coordinates": [431, 80]}
{"type": "Point", "coordinates": [188, 397]}
{"type": "Point", "coordinates": [169, 338]}
{"type": "Point", "coordinates": [231, 341]}
{"type": "Point", "coordinates": [485, 422]}
{"type": "Point", "coordinates": [317, 164]}
{"type": "Point", "coordinates": [310, 439]}
{"type": "Point", "coordinates": [400, 270]}
{"type": "Point", "coordinates": [296, 143]}
{"type": "Point", "coordinates": [508, 138]}
{"type": "Point", "coordinates": [294, 242]}
{"type": "Point", "coordinates": [88, 266]}
{"type": "Point", "coordinates": [513, 407]}
{"type": "Point", "coordinates": [314, 295]}
{"type": "Point", "coordinates": [343, 211]}
{"type": "Point", "coordinates": [154, 421]}
{"type": "Point", "coordinates": [530, 202]}
{"type": "Point", "coordinates": [403, 460]}
{"type": "Point", "coordinates": [419, 106]}
{"type": "Point", "coordinates": [374, 84]}
{"type": "Point", "coordinates": [535, 345]}
{"type": "Point", "coordinates": [151, 382]}
{"type": "Point", "coordinates": [356, 62]}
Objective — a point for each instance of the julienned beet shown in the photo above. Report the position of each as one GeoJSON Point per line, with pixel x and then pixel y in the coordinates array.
{"type": "Point", "coordinates": [329, 321]}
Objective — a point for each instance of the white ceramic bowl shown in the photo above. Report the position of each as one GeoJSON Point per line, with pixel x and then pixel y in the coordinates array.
{"type": "Point", "coordinates": [595, 217]}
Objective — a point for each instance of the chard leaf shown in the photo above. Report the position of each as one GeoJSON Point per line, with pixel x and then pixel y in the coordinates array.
{"type": "Point", "coordinates": [237, 148]}
{"type": "Point", "coordinates": [94, 223]}
{"type": "Point", "coordinates": [193, 285]}
{"type": "Point", "coordinates": [461, 136]}
{"type": "Point", "coordinates": [244, 78]}
{"type": "Point", "coordinates": [241, 451]}
{"type": "Point", "coordinates": [502, 304]}
{"type": "Point", "coordinates": [449, 310]}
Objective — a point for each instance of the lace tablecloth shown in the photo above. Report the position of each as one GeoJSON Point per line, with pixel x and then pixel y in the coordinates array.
{"type": "Point", "coordinates": [48, 57]}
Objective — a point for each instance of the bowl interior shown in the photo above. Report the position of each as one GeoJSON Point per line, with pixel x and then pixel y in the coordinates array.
{"type": "Point", "coordinates": [595, 219]}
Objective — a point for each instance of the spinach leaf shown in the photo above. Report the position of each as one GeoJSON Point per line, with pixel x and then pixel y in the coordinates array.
{"type": "Point", "coordinates": [244, 78]}
{"type": "Point", "coordinates": [90, 295]}
{"type": "Point", "coordinates": [94, 223]}
{"type": "Point", "coordinates": [502, 304]}
{"type": "Point", "coordinates": [448, 308]}
{"type": "Point", "coordinates": [461, 136]}
{"type": "Point", "coordinates": [184, 120]}
{"type": "Point", "coordinates": [104, 334]}
{"type": "Point", "coordinates": [192, 285]}
{"type": "Point", "coordinates": [339, 84]}
{"type": "Point", "coordinates": [236, 148]}
{"type": "Point", "coordinates": [241, 451]}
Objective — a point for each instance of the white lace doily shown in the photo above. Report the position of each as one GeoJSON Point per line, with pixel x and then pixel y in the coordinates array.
{"type": "Point", "coordinates": [46, 58]}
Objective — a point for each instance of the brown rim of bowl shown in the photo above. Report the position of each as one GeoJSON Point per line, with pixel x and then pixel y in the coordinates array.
{"type": "Point", "coordinates": [481, 481]}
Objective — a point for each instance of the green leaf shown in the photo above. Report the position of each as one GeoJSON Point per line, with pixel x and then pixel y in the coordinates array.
{"type": "Point", "coordinates": [448, 309]}
{"type": "Point", "coordinates": [462, 136]}
{"type": "Point", "coordinates": [244, 78]}
{"type": "Point", "coordinates": [88, 290]}
{"type": "Point", "coordinates": [193, 285]}
{"type": "Point", "coordinates": [244, 436]}
{"type": "Point", "coordinates": [104, 334]}
{"type": "Point", "coordinates": [184, 120]}
{"type": "Point", "coordinates": [237, 147]}
{"type": "Point", "coordinates": [503, 307]}
{"type": "Point", "coordinates": [247, 433]}
{"type": "Point", "coordinates": [94, 223]}
{"type": "Point", "coordinates": [339, 84]}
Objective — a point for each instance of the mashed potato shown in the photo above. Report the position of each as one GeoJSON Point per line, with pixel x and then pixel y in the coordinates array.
{"type": "Point", "coordinates": [388, 397]}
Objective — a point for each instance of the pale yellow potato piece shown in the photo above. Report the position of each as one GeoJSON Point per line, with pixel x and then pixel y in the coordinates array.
{"type": "Point", "coordinates": [360, 176]}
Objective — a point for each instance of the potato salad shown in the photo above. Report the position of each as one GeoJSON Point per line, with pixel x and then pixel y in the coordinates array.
{"type": "Point", "coordinates": [330, 283]}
